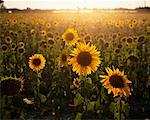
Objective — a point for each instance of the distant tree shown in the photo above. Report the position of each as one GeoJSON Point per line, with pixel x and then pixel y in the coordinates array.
{"type": "Point", "coordinates": [2, 4]}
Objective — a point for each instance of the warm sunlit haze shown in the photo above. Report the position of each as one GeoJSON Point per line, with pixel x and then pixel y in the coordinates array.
{"type": "Point", "coordinates": [73, 4]}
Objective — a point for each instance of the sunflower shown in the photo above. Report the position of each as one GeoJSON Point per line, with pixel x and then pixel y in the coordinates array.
{"type": "Point", "coordinates": [4, 47]}
{"type": "Point", "coordinates": [37, 62]}
{"type": "Point", "coordinates": [21, 50]}
{"type": "Point", "coordinates": [48, 25]}
{"type": "Point", "coordinates": [63, 58]}
{"type": "Point", "coordinates": [43, 33]}
{"type": "Point", "coordinates": [50, 35]}
{"type": "Point", "coordinates": [11, 86]}
{"type": "Point", "coordinates": [131, 26]}
{"type": "Point", "coordinates": [21, 44]}
{"type": "Point", "coordinates": [55, 23]}
{"type": "Point", "coordinates": [85, 59]}
{"type": "Point", "coordinates": [13, 46]}
{"type": "Point", "coordinates": [8, 39]}
{"type": "Point", "coordinates": [50, 41]}
{"type": "Point", "coordinates": [76, 82]}
{"type": "Point", "coordinates": [32, 32]}
{"type": "Point", "coordinates": [129, 40]}
{"type": "Point", "coordinates": [116, 82]}
{"type": "Point", "coordinates": [70, 36]}
{"type": "Point", "coordinates": [43, 45]}
{"type": "Point", "coordinates": [141, 38]}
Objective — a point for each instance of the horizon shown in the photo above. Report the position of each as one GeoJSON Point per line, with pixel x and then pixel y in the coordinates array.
{"type": "Point", "coordinates": [75, 4]}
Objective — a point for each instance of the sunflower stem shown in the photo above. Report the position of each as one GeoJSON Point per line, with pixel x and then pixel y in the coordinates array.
{"type": "Point", "coordinates": [37, 91]}
{"type": "Point", "coordinates": [119, 108]}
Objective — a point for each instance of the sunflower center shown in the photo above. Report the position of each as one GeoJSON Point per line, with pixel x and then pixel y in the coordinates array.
{"type": "Point", "coordinates": [116, 81]}
{"type": "Point", "coordinates": [4, 48]}
{"type": "Point", "coordinates": [21, 50]}
{"type": "Point", "coordinates": [64, 57]}
{"type": "Point", "coordinates": [69, 36]}
{"type": "Point", "coordinates": [84, 58]}
{"type": "Point", "coordinates": [8, 39]}
{"type": "Point", "coordinates": [36, 62]}
{"type": "Point", "coordinates": [77, 82]}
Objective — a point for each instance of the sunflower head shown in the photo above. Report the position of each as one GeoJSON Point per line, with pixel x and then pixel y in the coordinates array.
{"type": "Point", "coordinates": [21, 50]}
{"type": "Point", "coordinates": [116, 82]}
{"type": "Point", "coordinates": [55, 23]}
{"type": "Point", "coordinates": [21, 44]}
{"type": "Point", "coordinates": [43, 33]}
{"type": "Point", "coordinates": [13, 46]}
{"type": "Point", "coordinates": [141, 38]}
{"type": "Point", "coordinates": [70, 36]}
{"type": "Point", "coordinates": [43, 45]}
{"type": "Point", "coordinates": [85, 59]}
{"type": "Point", "coordinates": [4, 47]}
{"type": "Point", "coordinates": [48, 25]}
{"type": "Point", "coordinates": [50, 35]}
{"type": "Point", "coordinates": [50, 41]}
{"type": "Point", "coordinates": [11, 86]}
{"type": "Point", "coordinates": [8, 39]}
{"type": "Point", "coordinates": [37, 62]}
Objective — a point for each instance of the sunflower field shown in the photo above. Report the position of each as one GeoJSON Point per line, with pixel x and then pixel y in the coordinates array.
{"type": "Point", "coordinates": [75, 65]}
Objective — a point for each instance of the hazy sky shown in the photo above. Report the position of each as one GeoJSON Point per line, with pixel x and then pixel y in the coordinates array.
{"type": "Point", "coordinates": [58, 4]}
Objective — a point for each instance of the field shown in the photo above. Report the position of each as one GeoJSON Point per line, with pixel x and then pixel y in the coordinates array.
{"type": "Point", "coordinates": [75, 65]}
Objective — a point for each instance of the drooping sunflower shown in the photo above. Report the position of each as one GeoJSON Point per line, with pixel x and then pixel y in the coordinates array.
{"type": "Point", "coordinates": [11, 86]}
{"type": "Point", "coordinates": [116, 82]}
{"type": "Point", "coordinates": [85, 59]}
{"type": "Point", "coordinates": [70, 36]}
{"type": "Point", "coordinates": [37, 62]}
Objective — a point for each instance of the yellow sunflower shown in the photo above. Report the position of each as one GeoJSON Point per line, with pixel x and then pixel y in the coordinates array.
{"type": "Point", "coordinates": [21, 44]}
{"type": "Point", "coordinates": [43, 33]}
{"type": "Point", "coordinates": [70, 36]}
{"type": "Point", "coordinates": [37, 62]}
{"type": "Point", "coordinates": [76, 82]}
{"type": "Point", "coordinates": [55, 23]}
{"type": "Point", "coordinates": [8, 39]}
{"type": "Point", "coordinates": [85, 59]}
{"type": "Point", "coordinates": [116, 82]}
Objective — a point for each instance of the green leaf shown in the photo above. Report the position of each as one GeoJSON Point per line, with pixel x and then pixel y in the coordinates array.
{"type": "Point", "coordinates": [90, 106]}
{"type": "Point", "coordinates": [112, 107]}
{"type": "Point", "coordinates": [97, 104]}
{"type": "Point", "coordinates": [89, 80]}
{"type": "Point", "coordinates": [78, 116]}
{"type": "Point", "coordinates": [125, 108]}
{"type": "Point", "coordinates": [78, 99]}
{"type": "Point", "coordinates": [42, 97]}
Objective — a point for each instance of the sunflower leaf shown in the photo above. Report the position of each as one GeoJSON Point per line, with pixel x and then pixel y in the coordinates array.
{"type": "Point", "coordinates": [90, 106]}
{"type": "Point", "coordinates": [78, 99]}
{"type": "Point", "coordinates": [89, 80]}
{"type": "Point", "coordinates": [112, 106]}
{"type": "Point", "coordinates": [78, 116]}
{"type": "Point", "coordinates": [42, 97]}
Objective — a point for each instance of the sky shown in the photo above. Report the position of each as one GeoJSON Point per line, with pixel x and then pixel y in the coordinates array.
{"type": "Point", "coordinates": [73, 4]}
